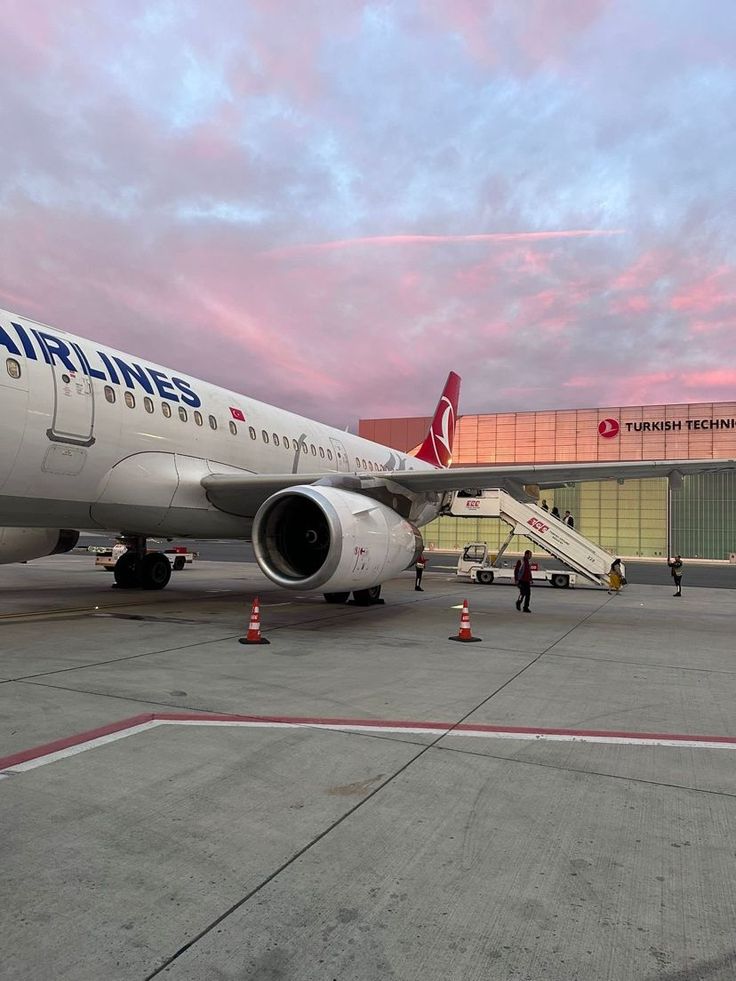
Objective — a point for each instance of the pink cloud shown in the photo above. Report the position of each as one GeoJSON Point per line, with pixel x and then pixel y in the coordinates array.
{"type": "Point", "coordinates": [394, 240]}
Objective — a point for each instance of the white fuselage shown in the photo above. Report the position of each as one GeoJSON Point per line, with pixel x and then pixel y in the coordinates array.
{"type": "Point", "coordinates": [92, 438]}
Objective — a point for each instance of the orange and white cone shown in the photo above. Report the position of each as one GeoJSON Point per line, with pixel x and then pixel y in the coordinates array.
{"type": "Point", "coordinates": [465, 635]}
{"type": "Point", "coordinates": [254, 627]}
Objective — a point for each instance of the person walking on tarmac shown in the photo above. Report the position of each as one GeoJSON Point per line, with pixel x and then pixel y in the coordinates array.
{"type": "Point", "coordinates": [419, 567]}
{"type": "Point", "coordinates": [676, 566]}
{"type": "Point", "coordinates": [523, 579]}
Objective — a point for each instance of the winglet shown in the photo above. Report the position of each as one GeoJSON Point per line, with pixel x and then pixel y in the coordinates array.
{"type": "Point", "coordinates": [437, 446]}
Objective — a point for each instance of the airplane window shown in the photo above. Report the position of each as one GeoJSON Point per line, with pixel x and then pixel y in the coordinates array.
{"type": "Point", "coordinates": [321, 452]}
{"type": "Point", "coordinates": [129, 400]}
{"type": "Point", "coordinates": [198, 417]}
{"type": "Point", "coordinates": [357, 463]}
{"type": "Point", "coordinates": [370, 466]}
{"type": "Point", "coordinates": [312, 448]}
{"type": "Point", "coordinates": [13, 368]}
{"type": "Point", "coordinates": [251, 432]}
{"type": "Point", "coordinates": [285, 441]}
{"type": "Point", "coordinates": [182, 413]}
{"type": "Point", "coordinates": [166, 409]}
{"type": "Point", "coordinates": [233, 428]}
{"type": "Point", "coordinates": [148, 404]}
{"type": "Point", "coordinates": [110, 394]}
{"type": "Point", "coordinates": [329, 454]}
{"type": "Point", "coordinates": [264, 436]}
{"type": "Point", "coordinates": [303, 447]}
{"type": "Point", "coordinates": [364, 466]}
{"type": "Point", "coordinates": [213, 422]}
{"type": "Point", "coordinates": [275, 440]}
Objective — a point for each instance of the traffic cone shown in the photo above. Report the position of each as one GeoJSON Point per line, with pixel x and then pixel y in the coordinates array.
{"type": "Point", "coordinates": [465, 635]}
{"type": "Point", "coordinates": [254, 627]}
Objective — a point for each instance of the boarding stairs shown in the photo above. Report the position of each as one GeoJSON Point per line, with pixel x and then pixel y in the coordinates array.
{"type": "Point", "coordinates": [538, 525]}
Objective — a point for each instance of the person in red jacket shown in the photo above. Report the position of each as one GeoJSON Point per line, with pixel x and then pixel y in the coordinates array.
{"type": "Point", "coordinates": [523, 579]}
{"type": "Point", "coordinates": [419, 567]}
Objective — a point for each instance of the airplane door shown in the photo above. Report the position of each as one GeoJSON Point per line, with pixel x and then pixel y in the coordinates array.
{"type": "Point", "coordinates": [74, 408]}
{"type": "Point", "coordinates": [14, 388]}
{"type": "Point", "coordinates": [341, 457]}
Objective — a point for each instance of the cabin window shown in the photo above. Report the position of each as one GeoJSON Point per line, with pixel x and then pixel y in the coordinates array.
{"type": "Point", "coordinates": [370, 466]}
{"type": "Point", "coordinates": [129, 400]}
{"type": "Point", "coordinates": [364, 464]}
{"type": "Point", "coordinates": [329, 455]}
{"type": "Point", "coordinates": [275, 440]}
{"type": "Point", "coordinates": [110, 394]}
{"type": "Point", "coordinates": [148, 404]}
{"type": "Point", "coordinates": [183, 413]}
{"type": "Point", "coordinates": [13, 367]}
{"type": "Point", "coordinates": [252, 432]}
{"type": "Point", "coordinates": [213, 422]}
{"type": "Point", "coordinates": [357, 463]}
{"type": "Point", "coordinates": [313, 449]}
{"type": "Point", "coordinates": [233, 428]}
{"type": "Point", "coordinates": [303, 447]}
{"type": "Point", "coordinates": [166, 409]}
{"type": "Point", "coordinates": [264, 435]}
{"type": "Point", "coordinates": [286, 442]}
{"type": "Point", "coordinates": [198, 417]}
{"type": "Point", "coordinates": [321, 452]}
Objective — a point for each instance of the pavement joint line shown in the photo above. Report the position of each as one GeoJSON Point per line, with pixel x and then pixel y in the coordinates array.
{"type": "Point", "coordinates": [590, 773]}
{"type": "Point", "coordinates": [640, 664]}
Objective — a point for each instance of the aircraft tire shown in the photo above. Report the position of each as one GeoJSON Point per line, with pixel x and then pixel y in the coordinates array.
{"type": "Point", "coordinates": [336, 597]}
{"type": "Point", "coordinates": [155, 571]}
{"type": "Point", "coordinates": [367, 597]}
{"type": "Point", "coordinates": [127, 571]}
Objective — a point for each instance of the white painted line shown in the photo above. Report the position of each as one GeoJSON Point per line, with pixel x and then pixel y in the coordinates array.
{"type": "Point", "coordinates": [63, 754]}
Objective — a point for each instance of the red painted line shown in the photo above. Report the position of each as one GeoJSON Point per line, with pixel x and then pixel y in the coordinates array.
{"type": "Point", "coordinates": [60, 744]}
{"type": "Point", "coordinates": [82, 737]}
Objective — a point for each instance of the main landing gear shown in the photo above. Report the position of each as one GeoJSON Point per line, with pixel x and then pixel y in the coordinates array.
{"type": "Point", "coordinates": [140, 569]}
{"type": "Point", "coordinates": [361, 597]}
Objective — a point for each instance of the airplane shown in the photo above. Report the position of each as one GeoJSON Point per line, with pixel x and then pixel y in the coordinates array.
{"type": "Point", "coordinates": [95, 439]}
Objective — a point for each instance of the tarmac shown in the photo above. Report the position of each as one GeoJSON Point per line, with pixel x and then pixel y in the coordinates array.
{"type": "Point", "coordinates": [362, 798]}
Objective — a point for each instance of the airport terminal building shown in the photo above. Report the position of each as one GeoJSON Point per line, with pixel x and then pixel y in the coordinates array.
{"type": "Point", "coordinates": [631, 518]}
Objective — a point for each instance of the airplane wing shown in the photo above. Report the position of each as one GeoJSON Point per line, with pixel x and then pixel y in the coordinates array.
{"type": "Point", "coordinates": [244, 493]}
{"type": "Point", "coordinates": [550, 475]}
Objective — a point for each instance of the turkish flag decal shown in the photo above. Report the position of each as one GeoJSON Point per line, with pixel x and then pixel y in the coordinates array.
{"type": "Point", "coordinates": [237, 414]}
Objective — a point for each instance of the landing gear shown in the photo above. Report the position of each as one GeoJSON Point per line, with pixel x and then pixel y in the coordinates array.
{"type": "Point", "coordinates": [336, 597]}
{"type": "Point", "coordinates": [367, 597]}
{"type": "Point", "coordinates": [139, 569]}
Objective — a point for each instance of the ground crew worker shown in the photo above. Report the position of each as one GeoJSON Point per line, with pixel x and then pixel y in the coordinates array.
{"type": "Point", "coordinates": [615, 577]}
{"type": "Point", "coordinates": [676, 566]}
{"type": "Point", "coordinates": [419, 567]}
{"type": "Point", "coordinates": [523, 579]}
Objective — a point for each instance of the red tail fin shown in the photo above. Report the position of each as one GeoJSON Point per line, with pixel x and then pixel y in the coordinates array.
{"type": "Point", "coordinates": [437, 447]}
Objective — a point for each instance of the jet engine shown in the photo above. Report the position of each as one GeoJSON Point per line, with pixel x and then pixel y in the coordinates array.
{"type": "Point", "coordinates": [335, 540]}
{"type": "Point", "coordinates": [22, 544]}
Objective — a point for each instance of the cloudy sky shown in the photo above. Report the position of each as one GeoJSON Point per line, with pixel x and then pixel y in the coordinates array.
{"type": "Point", "coordinates": [328, 204]}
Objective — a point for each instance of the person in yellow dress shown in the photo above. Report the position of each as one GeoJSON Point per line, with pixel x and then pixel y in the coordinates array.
{"type": "Point", "coordinates": [615, 577]}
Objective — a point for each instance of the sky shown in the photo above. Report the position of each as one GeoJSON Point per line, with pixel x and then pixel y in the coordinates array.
{"type": "Point", "coordinates": [328, 205]}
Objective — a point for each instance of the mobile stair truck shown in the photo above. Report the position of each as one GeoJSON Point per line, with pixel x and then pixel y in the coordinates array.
{"type": "Point", "coordinates": [529, 520]}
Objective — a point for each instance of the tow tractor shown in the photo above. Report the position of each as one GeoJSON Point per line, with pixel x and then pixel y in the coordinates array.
{"type": "Point", "coordinates": [480, 566]}
{"type": "Point", "coordinates": [178, 557]}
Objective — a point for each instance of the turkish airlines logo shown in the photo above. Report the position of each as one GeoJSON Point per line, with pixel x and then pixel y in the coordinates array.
{"type": "Point", "coordinates": [442, 441]}
{"type": "Point", "coordinates": [608, 428]}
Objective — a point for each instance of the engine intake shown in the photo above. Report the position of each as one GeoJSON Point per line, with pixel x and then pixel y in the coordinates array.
{"type": "Point", "coordinates": [316, 537]}
{"type": "Point", "coordinates": [23, 544]}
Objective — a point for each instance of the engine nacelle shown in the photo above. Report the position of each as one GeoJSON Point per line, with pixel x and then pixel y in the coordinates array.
{"type": "Point", "coordinates": [22, 544]}
{"type": "Point", "coordinates": [314, 537]}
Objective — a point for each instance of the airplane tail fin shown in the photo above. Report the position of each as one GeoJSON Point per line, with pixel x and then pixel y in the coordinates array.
{"type": "Point", "coordinates": [437, 446]}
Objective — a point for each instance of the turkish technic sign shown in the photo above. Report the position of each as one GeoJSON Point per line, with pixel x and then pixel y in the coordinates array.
{"type": "Point", "coordinates": [608, 428]}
